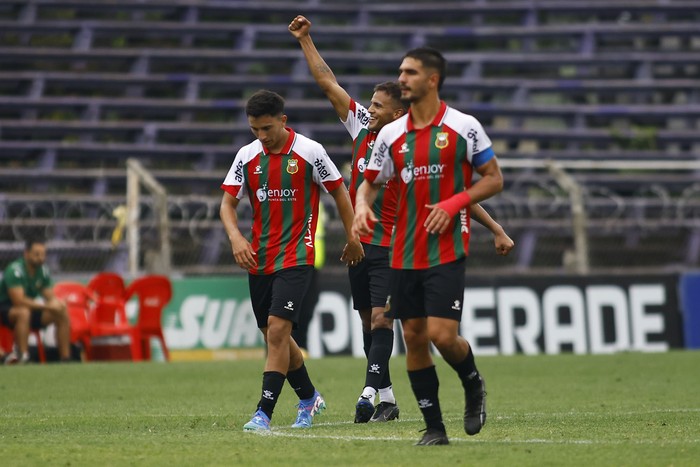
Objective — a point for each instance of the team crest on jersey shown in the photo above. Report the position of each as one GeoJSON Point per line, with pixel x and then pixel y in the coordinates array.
{"type": "Point", "coordinates": [441, 141]}
{"type": "Point", "coordinates": [292, 166]}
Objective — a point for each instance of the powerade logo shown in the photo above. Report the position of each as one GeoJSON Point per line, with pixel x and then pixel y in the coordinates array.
{"type": "Point", "coordinates": [322, 170]}
{"type": "Point", "coordinates": [421, 172]}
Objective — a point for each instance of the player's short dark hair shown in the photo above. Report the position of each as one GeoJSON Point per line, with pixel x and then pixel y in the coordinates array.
{"type": "Point", "coordinates": [393, 90]}
{"type": "Point", "coordinates": [430, 58]}
{"type": "Point", "coordinates": [32, 240]}
{"type": "Point", "coordinates": [264, 102]}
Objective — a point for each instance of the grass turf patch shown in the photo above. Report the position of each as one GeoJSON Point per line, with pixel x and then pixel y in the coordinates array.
{"type": "Point", "coordinates": [625, 409]}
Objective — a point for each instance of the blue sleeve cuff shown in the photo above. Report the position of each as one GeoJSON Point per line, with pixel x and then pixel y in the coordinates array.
{"type": "Point", "coordinates": [482, 157]}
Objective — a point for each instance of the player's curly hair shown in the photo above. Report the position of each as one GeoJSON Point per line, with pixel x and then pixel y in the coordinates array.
{"type": "Point", "coordinates": [264, 102]}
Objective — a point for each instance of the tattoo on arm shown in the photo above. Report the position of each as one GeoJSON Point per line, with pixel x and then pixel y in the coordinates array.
{"type": "Point", "coordinates": [323, 68]}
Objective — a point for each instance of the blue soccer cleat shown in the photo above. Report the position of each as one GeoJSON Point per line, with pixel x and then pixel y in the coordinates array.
{"type": "Point", "coordinates": [308, 408]}
{"type": "Point", "coordinates": [260, 422]}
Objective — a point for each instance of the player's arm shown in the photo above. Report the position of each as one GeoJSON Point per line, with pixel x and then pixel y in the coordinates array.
{"type": "Point", "coordinates": [491, 183]}
{"type": "Point", "coordinates": [501, 240]}
{"type": "Point", "coordinates": [300, 28]}
{"type": "Point", "coordinates": [242, 249]}
{"type": "Point", "coordinates": [52, 303]}
{"type": "Point", "coordinates": [364, 199]}
{"type": "Point", "coordinates": [19, 298]}
{"type": "Point", "coordinates": [353, 252]}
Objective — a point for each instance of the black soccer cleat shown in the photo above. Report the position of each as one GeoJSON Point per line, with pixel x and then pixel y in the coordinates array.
{"type": "Point", "coordinates": [475, 410]}
{"type": "Point", "coordinates": [433, 437]}
{"type": "Point", "coordinates": [363, 410]}
{"type": "Point", "coordinates": [384, 412]}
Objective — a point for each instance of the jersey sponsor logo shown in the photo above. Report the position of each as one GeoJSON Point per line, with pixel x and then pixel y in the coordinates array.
{"type": "Point", "coordinates": [361, 164]}
{"type": "Point", "coordinates": [264, 193]}
{"type": "Point", "coordinates": [258, 170]}
{"type": "Point", "coordinates": [238, 172]}
{"type": "Point", "coordinates": [323, 172]}
{"type": "Point", "coordinates": [292, 166]}
{"type": "Point", "coordinates": [463, 221]}
{"type": "Point", "coordinates": [472, 135]}
{"type": "Point", "coordinates": [421, 172]}
{"type": "Point", "coordinates": [457, 305]}
{"type": "Point", "coordinates": [404, 148]}
{"type": "Point", "coordinates": [441, 140]}
{"type": "Point", "coordinates": [289, 306]}
{"type": "Point", "coordinates": [309, 238]}
{"type": "Point", "coordinates": [363, 117]}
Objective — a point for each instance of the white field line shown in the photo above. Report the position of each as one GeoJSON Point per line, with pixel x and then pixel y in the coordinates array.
{"type": "Point", "coordinates": [350, 422]}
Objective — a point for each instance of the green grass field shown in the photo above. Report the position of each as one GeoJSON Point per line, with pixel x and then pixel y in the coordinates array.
{"type": "Point", "coordinates": [627, 409]}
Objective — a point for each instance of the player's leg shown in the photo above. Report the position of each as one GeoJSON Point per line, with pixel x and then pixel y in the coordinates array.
{"type": "Point", "coordinates": [378, 372]}
{"type": "Point", "coordinates": [59, 318]}
{"type": "Point", "coordinates": [406, 303]}
{"type": "Point", "coordinates": [289, 290]}
{"type": "Point", "coordinates": [358, 276]}
{"type": "Point", "coordinates": [260, 287]}
{"type": "Point", "coordinates": [18, 319]}
{"type": "Point", "coordinates": [444, 296]}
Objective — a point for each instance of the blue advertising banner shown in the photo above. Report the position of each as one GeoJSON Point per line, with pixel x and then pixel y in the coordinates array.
{"type": "Point", "coordinates": [690, 298]}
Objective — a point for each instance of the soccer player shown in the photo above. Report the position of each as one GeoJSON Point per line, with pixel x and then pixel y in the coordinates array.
{"type": "Point", "coordinates": [432, 152]}
{"type": "Point", "coordinates": [283, 173]}
{"type": "Point", "coordinates": [369, 281]}
{"type": "Point", "coordinates": [24, 281]}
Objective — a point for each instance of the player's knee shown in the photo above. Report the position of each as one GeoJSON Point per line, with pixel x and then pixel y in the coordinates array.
{"type": "Point", "coordinates": [20, 315]}
{"type": "Point", "coordinates": [442, 339]}
{"type": "Point", "coordinates": [380, 321]}
{"type": "Point", "coordinates": [278, 331]}
{"type": "Point", "coordinates": [415, 338]}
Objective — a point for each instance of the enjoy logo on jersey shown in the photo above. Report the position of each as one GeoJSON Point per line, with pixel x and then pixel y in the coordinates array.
{"type": "Point", "coordinates": [264, 193]}
{"type": "Point", "coordinates": [361, 164]}
{"type": "Point", "coordinates": [421, 172]}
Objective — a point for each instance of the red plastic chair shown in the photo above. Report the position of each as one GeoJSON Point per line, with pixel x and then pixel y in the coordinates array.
{"type": "Point", "coordinates": [108, 316]}
{"type": "Point", "coordinates": [7, 342]}
{"type": "Point", "coordinates": [154, 293]}
{"type": "Point", "coordinates": [79, 300]}
{"type": "Point", "coordinates": [7, 339]}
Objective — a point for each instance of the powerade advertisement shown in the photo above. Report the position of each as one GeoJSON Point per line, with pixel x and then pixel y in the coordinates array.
{"type": "Point", "coordinates": [211, 318]}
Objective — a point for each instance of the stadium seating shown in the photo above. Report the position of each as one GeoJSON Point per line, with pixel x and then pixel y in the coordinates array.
{"type": "Point", "coordinates": [85, 85]}
{"type": "Point", "coordinates": [79, 300]}
{"type": "Point", "coordinates": [108, 317]}
{"type": "Point", "coordinates": [153, 292]}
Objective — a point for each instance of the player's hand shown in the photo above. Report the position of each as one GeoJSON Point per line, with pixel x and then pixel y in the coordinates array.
{"type": "Point", "coordinates": [353, 253]}
{"type": "Point", "coordinates": [300, 27]}
{"type": "Point", "coordinates": [438, 220]}
{"type": "Point", "coordinates": [503, 244]}
{"type": "Point", "coordinates": [243, 253]}
{"type": "Point", "coordinates": [363, 221]}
